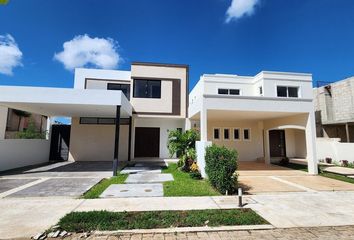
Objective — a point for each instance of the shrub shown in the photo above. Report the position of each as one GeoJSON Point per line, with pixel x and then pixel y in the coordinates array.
{"type": "Point", "coordinates": [284, 161]}
{"type": "Point", "coordinates": [221, 164]}
{"type": "Point", "coordinates": [31, 133]}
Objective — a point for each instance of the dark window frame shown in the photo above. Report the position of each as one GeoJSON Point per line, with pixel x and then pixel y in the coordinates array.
{"type": "Point", "coordinates": [228, 133]}
{"type": "Point", "coordinates": [229, 91]}
{"type": "Point", "coordinates": [223, 91]}
{"type": "Point", "coordinates": [248, 134]}
{"type": "Point", "coordinates": [146, 88]}
{"type": "Point", "coordinates": [234, 135]}
{"type": "Point", "coordinates": [218, 130]}
{"type": "Point", "coordinates": [238, 92]}
{"type": "Point", "coordinates": [123, 121]}
{"type": "Point", "coordinates": [109, 87]}
{"type": "Point", "coordinates": [286, 88]}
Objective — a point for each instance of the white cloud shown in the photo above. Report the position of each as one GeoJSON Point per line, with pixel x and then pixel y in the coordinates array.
{"type": "Point", "coordinates": [10, 54]}
{"type": "Point", "coordinates": [84, 50]}
{"type": "Point", "coordinates": [240, 8]}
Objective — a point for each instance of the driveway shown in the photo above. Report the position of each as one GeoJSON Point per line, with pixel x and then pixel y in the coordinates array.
{"type": "Point", "coordinates": [65, 179]}
{"type": "Point", "coordinates": [260, 178]}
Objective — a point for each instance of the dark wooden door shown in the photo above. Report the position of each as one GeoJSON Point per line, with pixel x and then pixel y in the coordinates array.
{"type": "Point", "coordinates": [277, 143]}
{"type": "Point", "coordinates": [147, 142]}
{"type": "Point", "coordinates": [60, 142]}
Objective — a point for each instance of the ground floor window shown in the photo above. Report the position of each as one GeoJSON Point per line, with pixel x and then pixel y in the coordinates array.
{"type": "Point", "coordinates": [216, 133]}
{"type": "Point", "coordinates": [236, 134]}
{"type": "Point", "coordinates": [226, 134]}
{"type": "Point", "coordinates": [246, 134]}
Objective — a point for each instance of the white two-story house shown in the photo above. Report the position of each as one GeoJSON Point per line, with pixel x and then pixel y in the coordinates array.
{"type": "Point", "coordinates": [265, 117]}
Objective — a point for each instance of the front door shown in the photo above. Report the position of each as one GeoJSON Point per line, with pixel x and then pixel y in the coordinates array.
{"type": "Point", "coordinates": [277, 143]}
{"type": "Point", "coordinates": [147, 142]}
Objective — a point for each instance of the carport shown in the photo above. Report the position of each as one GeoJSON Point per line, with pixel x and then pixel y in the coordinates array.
{"type": "Point", "coordinates": [67, 102]}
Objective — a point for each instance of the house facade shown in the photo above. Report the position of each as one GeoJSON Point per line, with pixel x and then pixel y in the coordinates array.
{"type": "Point", "coordinates": [265, 117]}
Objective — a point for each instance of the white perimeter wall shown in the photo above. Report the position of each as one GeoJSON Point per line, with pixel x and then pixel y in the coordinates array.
{"type": "Point", "coordinates": [331, 147]}
{"type": "Point", "coordinates": [15, 153]}
{"type": "Point", "coordinates": [164, 124]}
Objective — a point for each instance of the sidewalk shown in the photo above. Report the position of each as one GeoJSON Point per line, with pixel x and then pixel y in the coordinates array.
{"type": "Point", "coordinates": [27, 216]}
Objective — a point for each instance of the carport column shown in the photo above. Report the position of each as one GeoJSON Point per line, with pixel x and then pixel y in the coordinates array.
{"type": "Point", "coordinates": [116, 142]}
{"type": "Point", "coordinates": [203, 123]}
{"type": "Point", "coordinates": [311, 144]}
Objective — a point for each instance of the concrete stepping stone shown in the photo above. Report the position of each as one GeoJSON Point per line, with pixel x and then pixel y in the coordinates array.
{"type": "Point", "coordinates": [141, 170]}
{"type": "Point", "coordinates": [149, 178]}
{"type": "Point", "coordinates": [133, 190]}
{"type": "Point", "coordinates": [340, 170]}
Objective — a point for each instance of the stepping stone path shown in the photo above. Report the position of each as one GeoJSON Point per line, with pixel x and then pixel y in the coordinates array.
{"type": "Point", "coordinates": [144, 180]}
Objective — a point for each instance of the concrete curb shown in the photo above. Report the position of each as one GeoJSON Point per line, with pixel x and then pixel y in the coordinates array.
{"type": "Point", "coordinates": [188, 229]}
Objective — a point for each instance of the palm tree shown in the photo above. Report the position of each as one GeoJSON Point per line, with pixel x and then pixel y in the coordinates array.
{"type": "Point", "coordinates": [20, 114]}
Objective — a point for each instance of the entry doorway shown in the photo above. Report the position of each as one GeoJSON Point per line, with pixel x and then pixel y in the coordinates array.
{"type": "Point", "coordinates": [277, 143]}
{"type": "Point", "coordinates": [147, 142]}
{"type": "Point", "coordinates": [60, 142]}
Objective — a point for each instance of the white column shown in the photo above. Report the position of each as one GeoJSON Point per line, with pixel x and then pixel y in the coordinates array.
{"type": "Point", "coordinates": [49, 127]}
{"type": "Point", "coordinates": [187, 124]}
{"type": "Point", "coordinates": [266, 147]}
{"type": "Point", "coordinates": [311, 144]}
{"type": "Point", "coordinates": [3, 121]}
{"type": "Point", "coordinates": [203, 124]}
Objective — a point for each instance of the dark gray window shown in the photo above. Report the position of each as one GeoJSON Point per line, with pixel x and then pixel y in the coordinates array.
{"type": "Point", "coordinates": [226, 133]}
{"type": "Point", "coordinates": [216, 133]}
{"type": "Point", "coordinates": [281, 91]}
{"type": "Point", "coordinates": [103, 121]}
{"type": "Point", "coordinates": [246, 134]}
{"type": "Point", "coordinates": [260, 90]}
{"type": "Point", "coordinates": [293, 92]}
{"type": "Point", "coordinates": [234, 91]}
{"type": "Point", "coordinates": [147, 88]}
{"type": "Point", "coordinates": [287, 91]}
{"type": "Point", "coordinates": [236, 134]}
{"type": "Point", "coordinates": [125, 88]}
{"type": "Point", "coordinates": [223, 91]}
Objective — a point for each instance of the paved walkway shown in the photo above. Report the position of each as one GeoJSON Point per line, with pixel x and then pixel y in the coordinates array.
{"type": "Point", "coordinates": [323, 233]}
{"type": "Point", "coordinates": [340, 170]}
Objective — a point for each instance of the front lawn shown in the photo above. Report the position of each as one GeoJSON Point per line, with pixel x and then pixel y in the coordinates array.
{"type": "Point", "coordinates": [109, 221]}
{"type": "Point", "coordinates": [96, 190]}
{"type": "Point", "coordinates": [184, 185]}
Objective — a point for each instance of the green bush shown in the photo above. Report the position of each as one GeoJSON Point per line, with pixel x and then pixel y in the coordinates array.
{"type": "Point", "coordinates": [221, 166]}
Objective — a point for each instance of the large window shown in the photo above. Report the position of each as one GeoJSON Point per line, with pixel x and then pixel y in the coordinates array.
{"type": "Point", "coordinates": [283, 91]}
{"type": "Point", "coordinates": [147, 88]}
{"type": "Point", "coordinates": [103, 121]}
{"type": "Point", "coordinates": [125, 88]}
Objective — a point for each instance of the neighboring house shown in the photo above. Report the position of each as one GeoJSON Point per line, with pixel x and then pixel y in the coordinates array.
{"type": "Point", "coordinates": [115, 114]}
{"type": "Point", "coordinates": [265, 117]}
{"type": "Point", "coordinates": [334, 106]}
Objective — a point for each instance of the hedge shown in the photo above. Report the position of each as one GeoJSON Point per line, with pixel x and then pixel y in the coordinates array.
{"type": "Point", "coordinates": [221, 166]}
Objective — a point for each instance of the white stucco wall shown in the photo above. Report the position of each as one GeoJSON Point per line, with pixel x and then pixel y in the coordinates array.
{"type": "Point", "coordinates": [91, 142]}
{"type": "Point", "coordinates": [331, 147]}
{"type": "Point", "coordinates": [164, 124]}
{"type": "Point", "coordinates": [3, 121]}
{"type": "Point", "coordinates": [17, 153]}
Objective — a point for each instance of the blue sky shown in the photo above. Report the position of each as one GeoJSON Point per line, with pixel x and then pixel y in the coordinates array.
{"type": "Point", "coordinates": [315, 36]}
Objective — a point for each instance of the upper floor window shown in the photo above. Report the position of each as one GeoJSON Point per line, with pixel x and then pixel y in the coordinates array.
{"type": "Point", "coordinates": [225, 91]}
{"type": "Point", "coordinates": [125, 88]}
{"type": "Point", "coordinates": [260, 90]}
{"type": "Point", "coordinates": [283, 91]}
{"type": "Point", "coordinates": [147, 88]}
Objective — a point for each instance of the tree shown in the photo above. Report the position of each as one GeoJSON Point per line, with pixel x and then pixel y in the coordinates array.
{"type": "Point", "coordinates": [20, 114]}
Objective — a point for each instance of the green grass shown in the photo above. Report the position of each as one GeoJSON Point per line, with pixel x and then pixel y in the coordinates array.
{"type": "Point", "coordinates": [184, 185]}
{"type": "Point", "coordinates": [96, 190]}
{"type": "Point", "coordinates": [109, 221]}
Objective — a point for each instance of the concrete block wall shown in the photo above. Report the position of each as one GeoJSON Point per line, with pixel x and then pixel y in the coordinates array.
{"type": "Point", "coordinates": [340, 106]}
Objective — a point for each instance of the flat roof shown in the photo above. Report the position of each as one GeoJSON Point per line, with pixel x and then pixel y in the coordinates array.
{"type": "Point", "coordinates": [68, 102]}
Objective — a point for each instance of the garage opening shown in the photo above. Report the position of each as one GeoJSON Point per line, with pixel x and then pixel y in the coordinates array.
{"type": "Point", "coordinates": [147, 142]}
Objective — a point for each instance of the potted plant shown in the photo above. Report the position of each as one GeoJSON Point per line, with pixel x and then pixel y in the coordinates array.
{"type": "Point", "coordinates": [345, 163]}
{"type": "Point", "coordinates": [328, 160]}
{"type": "Point", "coordinates": [284, 161]}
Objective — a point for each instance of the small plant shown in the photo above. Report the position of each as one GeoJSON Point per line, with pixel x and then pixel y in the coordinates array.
{"type": "Point", "coordinates": [194, 171]}
{"type": "Point", "coordinates": [221, 165]}
{"type": "Point", "coordinates": [284, 161]}
{"type": "Point", "coordinates": [345, 163]}
{"type": "Point", "coordinates": [328, 160]}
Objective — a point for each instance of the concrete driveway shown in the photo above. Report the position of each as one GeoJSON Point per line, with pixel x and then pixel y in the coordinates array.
{"type": "Point", "coordinates": [65, 179]}
{"type": "Point", "coordinates": [260, 178]}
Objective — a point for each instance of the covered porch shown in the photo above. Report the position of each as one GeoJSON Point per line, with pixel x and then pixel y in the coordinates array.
{"type": "Point", "coordinates": [73, 103]}
{"type": "Point", "coordinates": [259, 136]}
